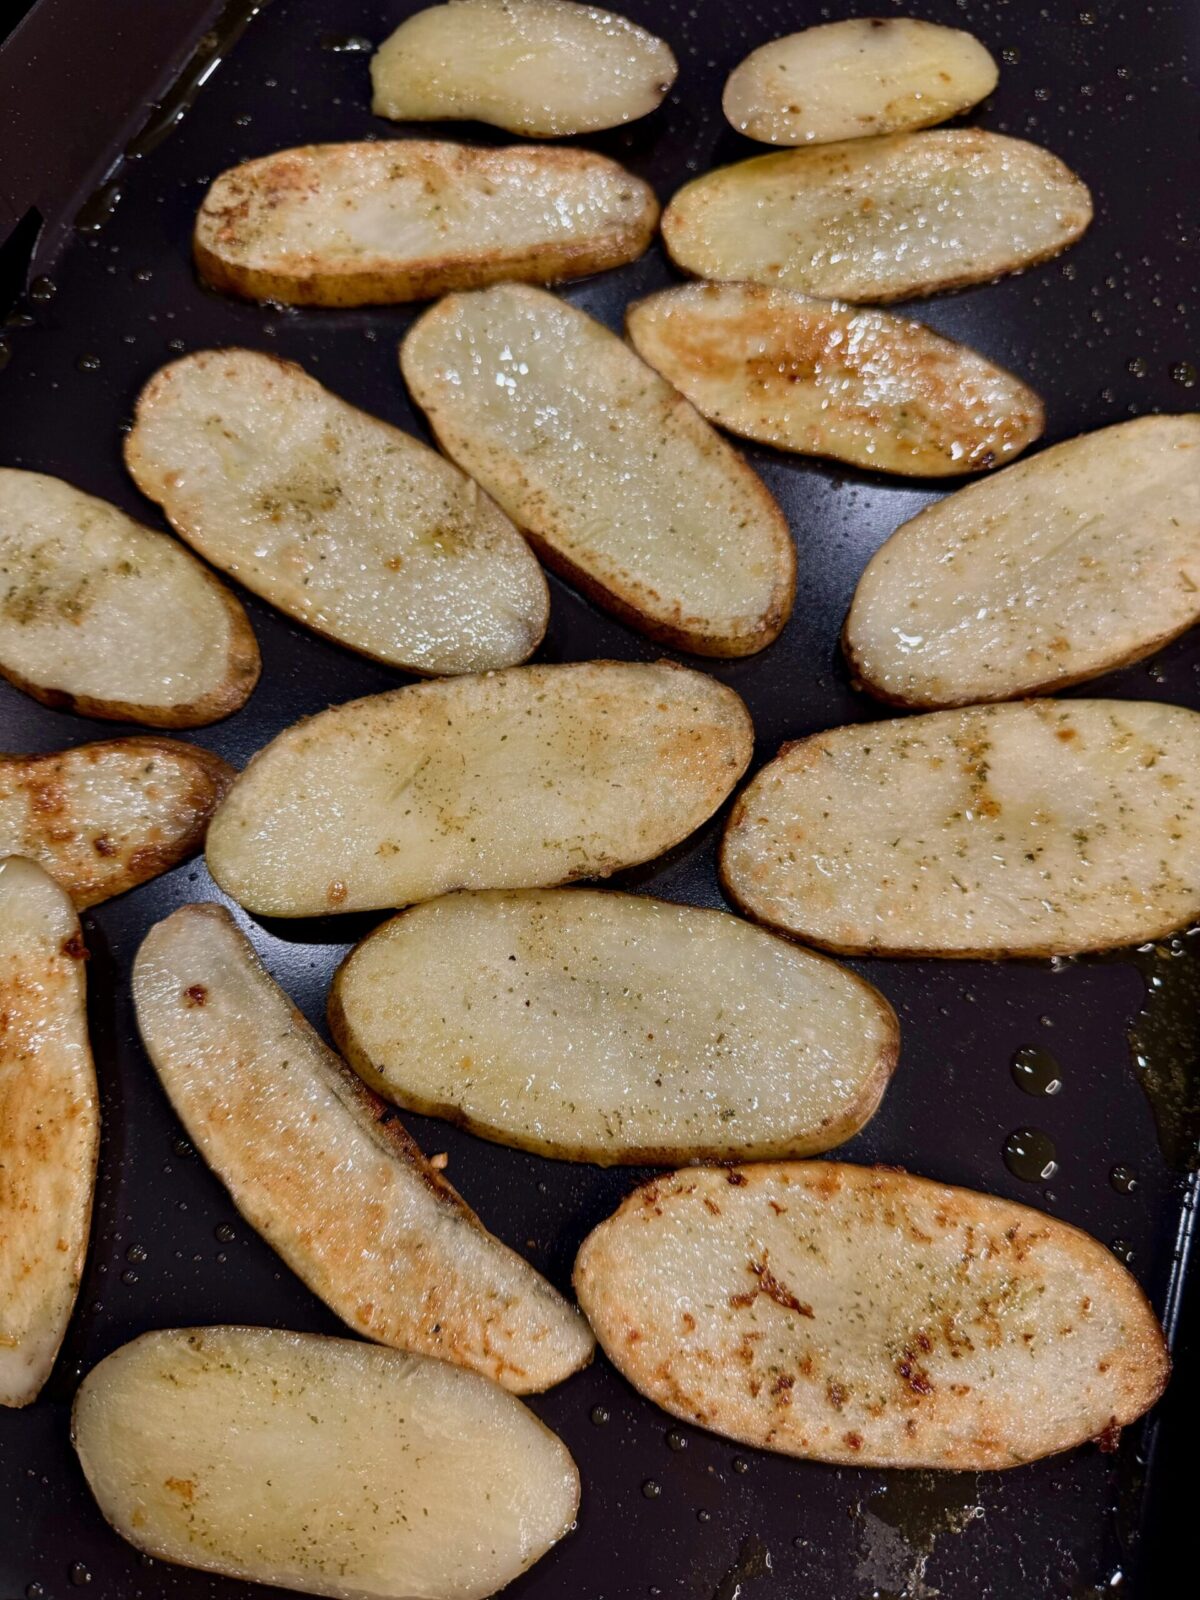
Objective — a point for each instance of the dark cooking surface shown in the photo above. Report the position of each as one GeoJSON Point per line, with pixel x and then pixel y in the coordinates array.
{"type": "Point", "coordinates": [1104, 333]}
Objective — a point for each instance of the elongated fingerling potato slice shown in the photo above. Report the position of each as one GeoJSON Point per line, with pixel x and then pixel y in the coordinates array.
{"type": "Point", "coordinates": [1044, 828]}
{"type": "Point", "coordinates": [407, 219]}
{"type": "Point", "coordinates": [104, 617]}
{"type": "Point", "coordinates": [322, 1465]}
{"type": "Point", "coordinates": [350, 526]}
{"type": "Point", "coordinates": [518, 779]}
{"type": "Point", "coordinates": [49, 1124]}
{"type": "Point", "coordinates": [880, 219]}
{"type": "Point", "coordinates": [542, 68]}
{"type": "Point", "coordinates": [822, 379]}
{"type": "Point", "coordinates": [613, 477]}
{"type": "Point", "coordinates": [863, 1316]}
{"type": "Point", "coordinates": [612, 1028]}
{"type": "Point", "coordinates": [104, 817]}
{"type": "Point", "coordinates": [320, 1167]}
{"type": "Point", "coordinates": [1081, 560]}
{"type": "Point", "coordinates": [866, 75]}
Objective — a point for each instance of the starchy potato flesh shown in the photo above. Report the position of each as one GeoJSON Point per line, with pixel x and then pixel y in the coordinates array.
{"type": "Point", "coordinates": [383, 221]}
{"type": "Point", "coordinates": [1083, 559]}
{"type": "Point", "coordinates": [613, 1028]}
{"type": "Point", "coordinates": [862, 1316]}
{"type": "Point", "coordinates": [104, 617]}
{"type": "Point", "coordinates": [354, 528]}
{"type": "Point", "coordinates": [541, 67]}
{"type": "Point", "coordinates": [102, 818]}
{"type": "Point", "coordinates": [823, 379]}
{"type": "Point", "coordinates": [49, 1124]}
{"type": "Point", "coordinates": [322, 1169]}
{"type": "Point", "coordinates": [1042, 828]}
{"type": "Point", "coordinates": [615, 479]}
{"type": "Point", "coordinates": [879, 219]}
{"type": "Point", "coordinates": [862, 76]}
{"type": "Point", "coordinates": [322, 1465]}
{"type": "Point", "coordinates": [518, 779]}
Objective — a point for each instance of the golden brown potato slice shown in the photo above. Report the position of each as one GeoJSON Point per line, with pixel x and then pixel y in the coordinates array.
{"type": "Point", "coordinates": [822, 379]}
{"type": "Point", "coordinates": [323, 1170]}
{"type": "Point", "coordinates": [323, 1465]}
{"type": "Point", "coordinates": [407, 219]}
{"type": "Point", "coordinates": [1081, 560]}
{"type": "Point", "coordinates": [102, 818]}
{"type": "Point", "coordinates": [863, 1316]}
{"type": "Point", "coordinates": [880, 219]}
{"type": "Point", "coordinates": [1043, 828]}
{"type": "Point", "coordinates": [616, 481]}
{"type": "Point", "coordinates": [542, 68]}
{"type": "Point", "coordinates": [520, 779]}
{"type": "Point", "coordinates": [347, 524]}
{"type": "Point", "coordinates": [49, 1124]}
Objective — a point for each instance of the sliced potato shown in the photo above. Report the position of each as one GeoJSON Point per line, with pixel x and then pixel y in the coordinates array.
{"type": "Point", "coordinates": [866, 75]}
{"type": "Point", "coordinates": [863, 1316]}
{"type": "Point", "coordinates": [1037, 829]}
{"type": "Point", "coordinates": [49, 1124]}
{"type": "Point", "coordinates": [406, 219]}
{"type": "Point", "coordinates": [611, 1028]}
{"type": "Point", "coordinates": [880, 219]}
{"type": "Point", "coordinates": [520, 779]}
{"type": "Point", "coordinates": [101, 616]}
{"type": "Point", "coordinates": [818, 378]}
{"type": "Point", "coordinates": [345, 523]}
{"type": "Point", "coordinates": [614, 478]}
{"type": "Point", "coordinates": [321, 1168]}
{"type": "Point", "coordinates": [542, 67]}
{"type": "Point", "coordinates": [102, 818]}
{"type": "Point", "coordinates": [1079, 561]}
{"type": "Point", "coordinates": [323, 1465]}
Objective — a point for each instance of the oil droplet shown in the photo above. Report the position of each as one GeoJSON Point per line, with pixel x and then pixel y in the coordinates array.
{"type": "Point", "coordinates": [651, 1490]}
{"type": "Point", "coordinates": [346, 44]}
{"type": "Point", "coordinates": [129, 1276]}
{"type": "Point", "coordinates": [1138, 366]}
{"type": "Point", "coordinates": [5, 353]}
{"type": "Point", "coordinates": [1036, 1071]}
{"type": "Point", "coordinates": [181, 1147]}
{"type": "Point", "coordinates": [243, 119]}
{"type": "Point", "coordinates": [740, 1464]}
{"type": "Point", "coordinates": [1011, 56]}
{"type": "Point", "coordinates": [98, 209]}
{"type": "Point", "coordinates": [1029, 1155]}
{"type": "Point", "coordinates": [1185, 373]}
{"type": "Point", "coordinates": [224, 1233]}
{"type": "Point", "coordinates": [1122, 1249]}
{"type": "Point", "coordinates": [35, 1591]}
{"type": "Point", "coordinates": [42, 289]}
{"type": "Point", "coordinates": [599, 1415]}
{"type": "Point", "coordinates": [754, 1561]}
{"type": "Point", "coordinates": [88, 363]}
{"type": "Point", "coordinates": [79, 1574]}
{"type": "Point", "coordinates": [676, 1440]}
{"type": "Point", "coordinates": [1123, 1180]}
{"type": "Point", "coordinates": [703, 1516]}
{"type": "Point", "coordinates": [137, 1253]}
{"type": "Point", "coordinates": [142, 274]}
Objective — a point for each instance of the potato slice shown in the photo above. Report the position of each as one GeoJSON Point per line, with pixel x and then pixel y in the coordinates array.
{"type": "Point", "coordinates": [820, 379]}
{"type": "Point", "coordinates": [611, 1028]}
{"type": "Point", "coordinates": [1038, 829]}
{"type": "Point", "coordinates": [520, 779]}
{"type": "Point", "coordinates": [863, 1316]}
{"type": "Point", "coordinates": [543, 67]}
{"type": "Point", "coordinates": [379, 222]}
{"type": "Point", "coordinates": [867, 75]}
{"type": "Point", "coordinates": [614, 478]}
{"type": "Point", "coordinates": [102, 818]}
{"type": "Point", "coordinates": [350, 526]}
{"type": "Point", "coordinates": [322, 1465]}
{"type": "Point", "coordinates": [49, 1124]}
{"type": "Point", "coordinates": [324, 1171]}
{"type": "Point", "coordinates": [1079, 561]}
{"type": "Point", "coordinates": [103, 617]}
{"type": "Point", "coordinates": [880, 219]}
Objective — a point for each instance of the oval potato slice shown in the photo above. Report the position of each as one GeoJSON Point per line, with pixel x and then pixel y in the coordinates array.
{"type": "Point", "coordinates": [866, 75]}
{"type": "Point", "coordinates": [49, 1124]}
{"type": "Point", "coordinates": [616, 481]}
{"type": "Point", "coordinates": [356, 1471]}
{"type": "Point", "coordinates": [1084, 559]}
{"type": "Point", "coordinates": [542, 68]}
{"type": "Point", "coordinates": [519, 779]}
{"type": "Point", "coordinates": [323, 1170]}
{"type": "Point", "coordinates": [343, 522]}
{"type": "Point", "coordinates": [1044, 828]}
{"type": "Point", "coordinates": [375, 223]}
{"type": "Point", "coordinates": [104, 617]}
{"type": "Point", "coordinates": [102, 818]}
{"type": "Point", "coordinates": [880, 219]}
{"type": "Point", "coordinates": [820, 379]}
{"type": "Point", "coordinates": [612, 1028]}
{"type": "Point", "coordinates": [862, 1316]}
